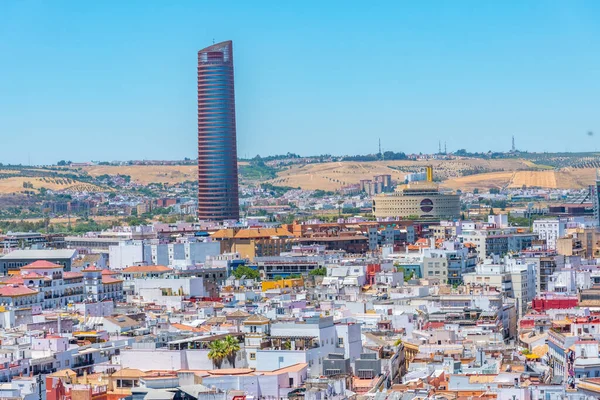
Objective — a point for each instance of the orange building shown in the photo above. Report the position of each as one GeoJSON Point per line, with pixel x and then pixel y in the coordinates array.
{"type": "Point", "coordinates": [58, 389]}
{"type": "Point", "coordinates": [255, 242]}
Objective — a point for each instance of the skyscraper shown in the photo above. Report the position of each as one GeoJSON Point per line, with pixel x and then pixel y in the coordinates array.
{"type": "Point", "coordinates": [217, 152]}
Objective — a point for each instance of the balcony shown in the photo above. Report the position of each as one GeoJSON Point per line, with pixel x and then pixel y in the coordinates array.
{"type": "Point", "coordinates": [290, 343]}
{"type": "Point", "coordinates": [82, 363]}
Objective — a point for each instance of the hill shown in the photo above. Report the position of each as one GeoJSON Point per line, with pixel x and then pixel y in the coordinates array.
{"type": "Point", "coordinates": [145, 174]}
{"type": "Point", "coordinates": [334, 175]}
{"type": "Point", "coordinates": [19, 184]}
{"type": "Point", "coordinates": [567, 178]}
{"type": "Point", "coordinates": [460, 173]}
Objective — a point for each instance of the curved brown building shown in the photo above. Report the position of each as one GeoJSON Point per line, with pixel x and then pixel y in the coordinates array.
{"type": "Point", "coordinates": [217, 152]}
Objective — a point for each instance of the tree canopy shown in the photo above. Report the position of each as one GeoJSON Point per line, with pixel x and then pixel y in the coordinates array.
{"type": "Point", "coordinates": [245, 271]}
{"type": "Point", "coordinates": [318, 272]}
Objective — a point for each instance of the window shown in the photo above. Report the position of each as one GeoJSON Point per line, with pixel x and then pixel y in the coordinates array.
{"type": "Point", "coordinates": [253, 356]}
{"type": "Point", "coordinates": [341, 341]}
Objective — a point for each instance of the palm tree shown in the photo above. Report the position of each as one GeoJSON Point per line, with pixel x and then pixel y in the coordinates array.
{"type": "Point", "coordinates": [217, 353]}
{"type": "Point", "coordinates": [232, 346]}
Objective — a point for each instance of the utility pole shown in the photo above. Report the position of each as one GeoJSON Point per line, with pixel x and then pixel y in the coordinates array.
{"type": "Point", "coordinates": [39, 383]}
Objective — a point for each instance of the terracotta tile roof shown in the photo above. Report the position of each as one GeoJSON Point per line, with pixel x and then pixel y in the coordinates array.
{"type": "Point", "coordinates": [13, 280]}
{"type": "Point", "coordinates": [237, 314]}
{"type": "Point", "coordinates": [128, 373]}
{"type": "Point", "coordinates": [262, 233]}
{"type": "Point", "coordinates": [363, 383]}
{"type": "Point", "coordinates": [215, 321]}
{"type": "Point", "coordinates": [434, 325]}
{"type": "Point", "coordinates": [109, 272]}
{"type": "Point", "coordinates": [188, 328]}
{"type": "Point", "coordinates": [223, 234]}
{"type": "Point", "coordinates": [146, 268]}
{"type": "Point", "coordinates": [16, 290]}
{"type": "Point", "coordinates": [72, 275]}
{"type": "Point", "coordinates": [481, 378]}
{"type": "Point", "coordinates": [91, 268]}
{"type": "Point", "coordinates": [256, 318]}
{"type": "Point", "coordinates": [109, 280]}
{"type": "Point", "coordinates": [64, 373]}
{"type": "Point", "coordinates": [42, 264]}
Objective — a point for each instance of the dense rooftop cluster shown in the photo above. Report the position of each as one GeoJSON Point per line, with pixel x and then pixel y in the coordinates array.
{"type": "Point", "coordinates": [348, 309]}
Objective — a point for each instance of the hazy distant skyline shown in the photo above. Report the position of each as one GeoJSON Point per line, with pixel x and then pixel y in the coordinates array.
{"type": "Point", "coordinates": [116, 80]}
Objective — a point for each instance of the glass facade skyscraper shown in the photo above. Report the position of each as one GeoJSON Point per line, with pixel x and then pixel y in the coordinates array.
{"type": "Point", "coordinates": [217, 150]}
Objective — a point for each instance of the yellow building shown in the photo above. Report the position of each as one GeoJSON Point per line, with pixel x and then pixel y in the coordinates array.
{"type": "Point", "coordinates": [419, 200]}
{"type": "Point", "coordinates": [584, 242]}
{"type": "Point", "coordinates": [282, 283]}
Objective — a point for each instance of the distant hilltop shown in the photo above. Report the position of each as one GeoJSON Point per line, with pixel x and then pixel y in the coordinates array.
{"type": "Point", "coordinates": [557, 160]}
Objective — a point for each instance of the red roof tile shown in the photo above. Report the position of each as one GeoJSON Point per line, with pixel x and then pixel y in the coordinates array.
{"type": "Point", "coordinates": [16, 290]}
{"type": "Point", "coordinates": [42, 264]}
{"type": "Point", "coordinates": [147, 268]}
{"type": "Point", "coordinates": [15, 279]}
{"type": "Point", "coordinates": [433, 325]}
{"type": "Point", "coordinates": [109, 272]}
{"type": "Point", "coordinates": [109, 280]}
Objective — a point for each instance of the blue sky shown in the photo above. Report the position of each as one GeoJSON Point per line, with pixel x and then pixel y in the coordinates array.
{"type": "Point", "coordinates": [116, 80]}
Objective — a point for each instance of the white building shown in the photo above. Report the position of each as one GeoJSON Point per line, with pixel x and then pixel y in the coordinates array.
{"type": "Point", "coordinates": [514, 277]}
{"type": "Point", "coordinates": [169, 292]}
{"type": "Point", "coordinates": [550, 230]}
{"type": "Point", "coordinates": [564, 281]}
{"type": "Point", "coordinates": [293, 343]}
{"type": "Point", "coordinates": [57, 287]}
{"type": "Point", "coordinates": [189, 252]}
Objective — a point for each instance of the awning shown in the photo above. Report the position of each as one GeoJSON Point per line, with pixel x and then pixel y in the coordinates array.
{"type": "Point", "coordinates": [89, 350]}
{"type": "Point", "coordinates": [91, 321]}
{"type": "Point", "coordinates": [42, 360]}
